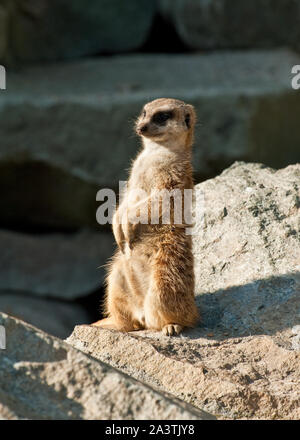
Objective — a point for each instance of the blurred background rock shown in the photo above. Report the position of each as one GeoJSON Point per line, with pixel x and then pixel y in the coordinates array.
{"type": "Point", "coordinates": [78, 74]}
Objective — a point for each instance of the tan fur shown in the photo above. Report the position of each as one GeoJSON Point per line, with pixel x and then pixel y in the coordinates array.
{"type": "Point", "coordinates": [150, 283]}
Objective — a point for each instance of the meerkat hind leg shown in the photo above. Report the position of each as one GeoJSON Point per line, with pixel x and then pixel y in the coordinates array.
{"type": "Point", "coordinates": [118, 301]}
{"type": "Point", "coordinates": [105, 323]}
{"type": "Point", "coordinates": [111, 324]}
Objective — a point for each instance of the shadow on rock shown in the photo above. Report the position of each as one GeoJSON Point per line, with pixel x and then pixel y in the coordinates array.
{"type": "Point", "coordinates": [264, 306]}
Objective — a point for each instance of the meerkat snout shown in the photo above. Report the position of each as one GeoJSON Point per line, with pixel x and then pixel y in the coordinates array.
{"type": "Point", "coordinates": [142, 129]}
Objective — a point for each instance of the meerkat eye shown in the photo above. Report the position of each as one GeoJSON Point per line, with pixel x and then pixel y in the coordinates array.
{"type": "Point", "coordinates": [144, 113]}
{"type": "Point", "coordinates": [161, 117]}
{"type": "Point", "coordinates": [188, 120]}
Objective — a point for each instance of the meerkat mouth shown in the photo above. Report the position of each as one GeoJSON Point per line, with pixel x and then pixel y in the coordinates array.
{"type": "Point", "coordinates": [153, 135]}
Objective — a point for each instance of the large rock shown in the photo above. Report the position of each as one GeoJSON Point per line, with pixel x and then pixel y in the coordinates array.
{"type": "Point", "coordinates": [247, 248]}
{"type": "Point", "coordinates": [55, 317]}
{"type": "Point", "coordinates": [67, 134]}
{"type": "Point", "coordinates": [243, 360]}
{"type": "Point", "coordinates": [42, 377]}
{"type": "Point", "coordinates": [58, 29]}
{"type": "Point", "coordinates": [65, 266]}
{"type": "Point", "coordinates": [213, 24]}
{"type": "Point", "coordinates": [3, 31]}
{"type": "Point", "coordinates": [40, 194]}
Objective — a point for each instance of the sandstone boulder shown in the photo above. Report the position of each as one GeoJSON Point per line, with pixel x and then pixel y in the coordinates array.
{"type": "Point", "coordinates": [38, 194]}
{"type": "Point", "coordinates": [44, 378]}
{"type": "Point", "coordinates": [65, 266]}
{"type": "Point", "coordinates": [50, 315]}
{"type": "Point", "coordinates": [3, 31]}
{"type": "Point", "coordinates": [203, 24]}
{"type": "Point", "coordinates": [59, 29]}
{"type": "Point", "coordinates": [243, 360]}
{"type": "Point", "coordinates": [67, 134]}
{"type": "Point", "coordinates": [247, 248]}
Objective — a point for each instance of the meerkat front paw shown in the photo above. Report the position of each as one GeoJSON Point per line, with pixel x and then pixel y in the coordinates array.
{"type": "Point", "coordinates": [130, 233]}
{"type": "Point", "coordinates": [118, 231]}
{"type": "Point", "coordinates": [172, 329]}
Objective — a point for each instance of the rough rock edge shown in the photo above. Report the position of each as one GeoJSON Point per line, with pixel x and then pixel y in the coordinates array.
{"type": "Point", "coordinates": [73, 382]}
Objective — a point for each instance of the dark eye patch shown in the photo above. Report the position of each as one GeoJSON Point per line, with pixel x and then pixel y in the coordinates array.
{"type": "Point", "coordinates": [161, 118]}
{"type": "Point", "coordinates": [144, 113]}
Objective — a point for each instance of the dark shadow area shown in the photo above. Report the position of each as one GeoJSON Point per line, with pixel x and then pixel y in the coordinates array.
{"type": "Point", "coordinates": [92, 304]}
{"type": "Point", "coordinates": [163, 38]}
{"type": "Point", "coordinates": [37, 196]}
{"type": "Point", "coordinates": [262, 307]}
{"type": "Point", "coordinates": [54, 316]}
{"type": "Point", "coordinates": [212, 168]}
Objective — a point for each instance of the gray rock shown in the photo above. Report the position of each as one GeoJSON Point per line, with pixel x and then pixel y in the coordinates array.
{"type": "Point", "coordinates": [37, 193]}
{"type": "Point", "coordinates": [213, 24]}
{"type": "Point", "coordinates": [243, 359]}
{"type": "Point", "coordinates": [247, 249]}
{"type": "Point", "coordinates": [59, 29]}
{"type": "Point", "coordinates": [65, 266]}
{"type": "Point", "coordinates": [49, 379]}
{"type": "Point", "coordinates": [74, 126]}
{"type": "Point", "coordinates": [3, 31]}
{"type": "Point", "coordinates": [57, 318]}
{"type": "Point", "coordinates": [253, 377]}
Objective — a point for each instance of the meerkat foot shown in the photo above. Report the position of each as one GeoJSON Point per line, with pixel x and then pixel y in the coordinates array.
{"type": "Point", "coordinates": [172, 329]}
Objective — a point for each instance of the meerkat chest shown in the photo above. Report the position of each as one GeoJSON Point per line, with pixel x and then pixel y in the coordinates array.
{"type": "Point", "coordinates": [145, 170]}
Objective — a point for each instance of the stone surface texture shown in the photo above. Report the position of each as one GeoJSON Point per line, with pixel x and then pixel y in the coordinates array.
{"type": "Point", "coordinates": [214, 24]}
{"type": "Point", "coordinates": [60, 29]}
{"type": "Point", "coordinates": [243, 359]}
{"type": "Point", "coordinates": [69, 133]}
{"type": "Point", "coordinates": [50, 315]}
{"type": "Point", "coordinates": [64, 266]}
{"type": "Point", "coordinates": [42, 377]}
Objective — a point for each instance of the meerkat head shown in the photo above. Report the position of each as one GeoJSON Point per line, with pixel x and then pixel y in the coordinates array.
{"type": "Point", "coordinates": [168, 122]}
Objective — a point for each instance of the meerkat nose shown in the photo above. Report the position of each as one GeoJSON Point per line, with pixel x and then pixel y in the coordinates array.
{"type": "Point", "coordinates": [143, 128]}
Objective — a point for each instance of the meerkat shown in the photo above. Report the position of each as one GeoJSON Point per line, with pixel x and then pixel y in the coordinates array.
{"type": "Point", "coordinates": [150, 282]}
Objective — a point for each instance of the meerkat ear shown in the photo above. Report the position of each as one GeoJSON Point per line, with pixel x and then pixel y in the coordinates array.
{"type": "Point", "coordinates": [187, 120]}
{"type": "Point", "coordinates": [190, 116]}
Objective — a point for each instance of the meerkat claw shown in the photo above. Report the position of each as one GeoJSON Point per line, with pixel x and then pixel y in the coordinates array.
{"type": "Point", "coordinates": [172, 329]}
